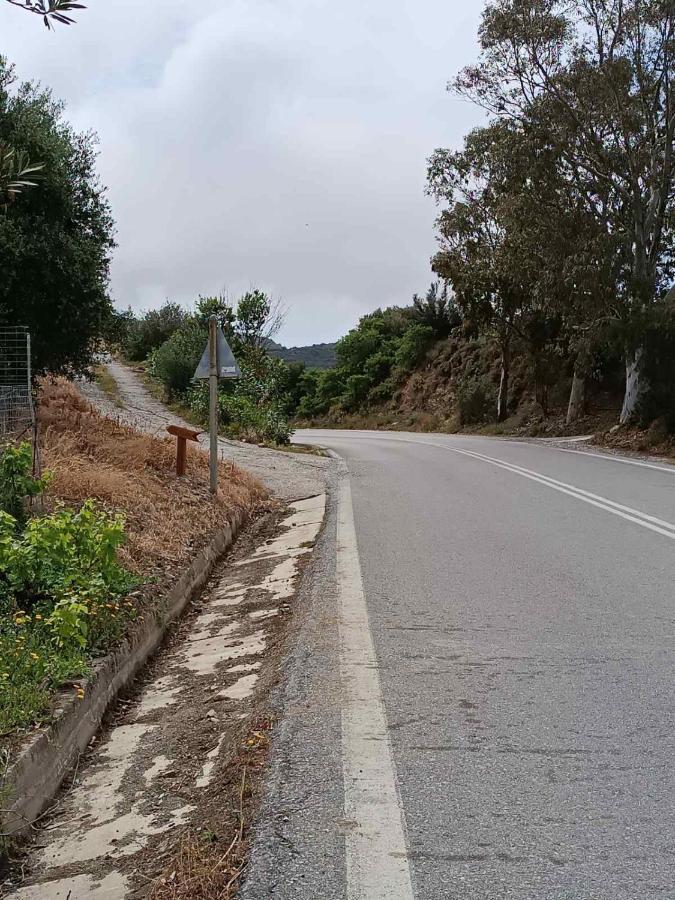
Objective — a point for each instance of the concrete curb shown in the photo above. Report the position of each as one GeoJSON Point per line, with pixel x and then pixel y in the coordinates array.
{"type": "Point", "coordinates": [35, 776]}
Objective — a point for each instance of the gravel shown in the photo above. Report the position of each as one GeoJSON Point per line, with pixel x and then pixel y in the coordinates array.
{"type": "Point", "coordinates": [289, 476]}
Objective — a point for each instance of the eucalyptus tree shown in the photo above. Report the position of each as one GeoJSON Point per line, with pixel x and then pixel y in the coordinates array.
{"type": "Point", "coordinates": [597, 76]}
{"type": "Point", "coordinates": [483, 189]}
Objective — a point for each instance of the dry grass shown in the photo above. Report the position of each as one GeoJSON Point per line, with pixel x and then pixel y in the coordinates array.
{"type": "Point", "coordinates": [209, 863]}
{"type": "Point", "coordinates": [199, 870]}
{"type": "Point", "coordinates": [108, 385]}
{"type": "Point", "coordinates": [167, 517]}
{"type": "Point", "coordinates": [654, 441]}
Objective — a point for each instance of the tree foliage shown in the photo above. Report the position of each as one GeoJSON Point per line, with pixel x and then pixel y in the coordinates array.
{"type": "Point", "coordinates": [50, 10]}
{"type": "Point", "coordinates": [55, 245]}
{"type": "Point", "coordinates": [592, 81]}
{"type": "Point", "coordinates": [139, 335]}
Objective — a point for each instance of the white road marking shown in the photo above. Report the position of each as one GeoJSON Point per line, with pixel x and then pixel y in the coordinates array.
{"type": "Point", "coordinates": [618, 459]}
{"type": "Point", "coordinates": [660, 526]}
{"type": "Point", "coordinates": [377, 855]}
{"type": "Point", "coordinates": [625, 512]}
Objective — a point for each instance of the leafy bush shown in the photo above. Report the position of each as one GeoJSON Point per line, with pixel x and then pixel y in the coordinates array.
{"type": "Point", "coordinates": [381, 393]}
{"type": "Point", "coordinates": [17, 484]}
{"type": "Point", "coordinates": [378, 366]}
{"type": "Point", "coordinates": [66, 559]}
{"type": "Point", "coordinates": [61, 586]}
{"type": "Point", "coordinates": [356, 391]}
{"type": "Point", "coordinates": [174, 363]}
{"type": "Point", "coordinates": [414, 345]}
{"type": "Point", "coordinates": [253, 408]}
{"type": "Point", "coordinates": [474, 402]}
{"type": "Point", "coordinates": [146, 333]}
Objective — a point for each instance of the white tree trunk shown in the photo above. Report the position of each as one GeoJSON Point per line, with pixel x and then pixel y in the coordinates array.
{"type": "Point", "coordinates": [576, 405]}
{"type": "Point", "coordinates": [635, 387]}
{"type": "Point", "coordinates": [503, 396]}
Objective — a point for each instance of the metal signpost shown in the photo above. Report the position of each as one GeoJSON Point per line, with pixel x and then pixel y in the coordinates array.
{"type": "Point", "coordinates": [217, 362]}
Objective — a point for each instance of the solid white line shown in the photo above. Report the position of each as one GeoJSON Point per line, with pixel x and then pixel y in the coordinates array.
{"type": "Point", "coordinates": [618, 459]}
{"type": "Point", "coordinates": [639, 518]}
{"type": "Point", "coordinates": [660, 526]}
{"type": "Point", "coordinates": [377, 855]}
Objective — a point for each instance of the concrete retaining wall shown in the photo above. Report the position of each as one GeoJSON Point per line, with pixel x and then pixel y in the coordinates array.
{"type": "Point", "coordinates": [36, 774]}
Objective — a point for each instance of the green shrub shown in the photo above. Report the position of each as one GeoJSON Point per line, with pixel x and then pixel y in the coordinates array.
{"type": "Point", "coordinates": [378, 367]}
{"type": "Point", "coordinates": [61, 590]}
{"type": "Point", "coordinates": [356, 391]}
{"type": "Point", "coordinates": [249, 409]}
{"type": "Point", "coordinates": [140, 336]}
{"type": "Point", "coordinates": [381, 393]}
{"type": "Point", "coordinates": [474, 402]}
{"type": "Point", "coordinates": [17, 483]}
{"type": "Point", "coordinates": [174, 363]}
{"type": "Point", "coordinates": [414, 345]}
{"type": "Point", "coordinates": [66, 559]}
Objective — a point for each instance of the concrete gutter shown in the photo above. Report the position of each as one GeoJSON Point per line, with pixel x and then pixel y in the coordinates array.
{"type": "Point", "coordinates": [34, 777]}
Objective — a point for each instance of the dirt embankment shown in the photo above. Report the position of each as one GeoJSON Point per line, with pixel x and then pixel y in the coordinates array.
{"type": "Point", "coordinates": [455, 390]}
{"type": "Point", "coordinates": [655, 440]}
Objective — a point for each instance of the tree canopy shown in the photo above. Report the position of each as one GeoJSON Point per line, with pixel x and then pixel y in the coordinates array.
{"type": "Point", "coordinates": [56, 243]}
{"type": "Point", "coordinates": [587, 85]}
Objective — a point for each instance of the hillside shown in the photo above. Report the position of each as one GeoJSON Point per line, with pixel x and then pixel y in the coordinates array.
{"type": "Point", "coordinates": [315, 356]}
{"type": "Point", "coordinates": [423, 368]}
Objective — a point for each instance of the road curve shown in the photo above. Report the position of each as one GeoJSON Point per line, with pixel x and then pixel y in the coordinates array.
{"type": "Point", "coordinates": [519, 600]}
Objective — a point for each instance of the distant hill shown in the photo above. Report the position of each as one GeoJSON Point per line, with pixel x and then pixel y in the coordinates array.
{"type": "Point", "coordinates": [316, 356]}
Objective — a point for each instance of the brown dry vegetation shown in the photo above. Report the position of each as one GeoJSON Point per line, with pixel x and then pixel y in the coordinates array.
{"type": "Point", "coordinates": [209, 863]}
{"type": "Point", "coordinates": [654, 440]}
{"type": "Point", "coordinates": [167, 517]}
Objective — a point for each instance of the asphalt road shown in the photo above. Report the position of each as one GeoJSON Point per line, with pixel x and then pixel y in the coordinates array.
{"type": "Point", "coordinates": [520, 603]}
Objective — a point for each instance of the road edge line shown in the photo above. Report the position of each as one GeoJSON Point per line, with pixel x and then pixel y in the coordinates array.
{"type": "Point", "coordinates": [375, 839]}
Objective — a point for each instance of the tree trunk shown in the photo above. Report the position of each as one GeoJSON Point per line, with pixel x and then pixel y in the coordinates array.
{"type": "Point", "coordinates": [502, 399]}
{"type": "Point", "coordinates": [635, 387]}
{"type": "Point", "coordinates": [577, 402]}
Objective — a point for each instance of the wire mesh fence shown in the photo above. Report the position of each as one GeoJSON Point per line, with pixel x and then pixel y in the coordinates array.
{"type": "Point", "coordinates": [17, 414]}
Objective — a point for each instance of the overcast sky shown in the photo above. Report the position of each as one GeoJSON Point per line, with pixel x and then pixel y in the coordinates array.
{"type": "Point", "coordinates": [277, 144]}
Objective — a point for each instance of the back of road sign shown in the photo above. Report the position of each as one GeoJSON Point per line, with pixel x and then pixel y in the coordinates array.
{"type": "Point", "coordinates": [226, 363]}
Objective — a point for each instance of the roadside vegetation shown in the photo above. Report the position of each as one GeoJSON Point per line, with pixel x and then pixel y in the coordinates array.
{"type": "Point", "coordinates": [427, 367]}
{"type": "Point", "coordinates": [170, 342]}
{"type": "Point", "coordinates": [86, 547]}
{"type": "Point", "coordinates": [555, 238]}
{"type": "Point", "coordinates": [61, 590]}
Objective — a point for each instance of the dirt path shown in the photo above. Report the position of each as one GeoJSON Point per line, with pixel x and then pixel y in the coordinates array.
{"type": "Point", "coordinates": [289, 476]}
{"type": "Point", "coordinates": [165, 763]}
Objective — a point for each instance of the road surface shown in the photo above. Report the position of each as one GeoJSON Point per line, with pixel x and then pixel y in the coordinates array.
{"type": "Point", "coordinates": [490, 713]}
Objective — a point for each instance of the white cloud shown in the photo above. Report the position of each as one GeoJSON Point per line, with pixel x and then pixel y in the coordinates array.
{"type": "Point", "coordinates": [282, 144]}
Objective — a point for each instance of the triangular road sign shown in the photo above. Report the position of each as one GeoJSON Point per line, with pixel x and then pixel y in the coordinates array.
{"type": "Point", "coordinates": [226, 363]}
